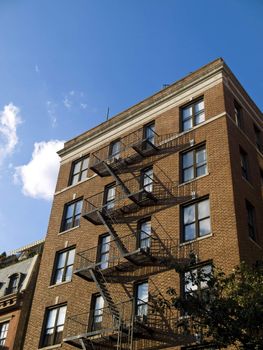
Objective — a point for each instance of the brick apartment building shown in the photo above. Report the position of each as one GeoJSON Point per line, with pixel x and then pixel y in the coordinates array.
{"type": "Point", "coordinates": [175, 180]}
{"type": "Point", "coordinates": [18, 274]}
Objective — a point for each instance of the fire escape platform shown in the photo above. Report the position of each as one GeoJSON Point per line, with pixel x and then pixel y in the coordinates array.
{"type": "Point", "coordinates": [116, 271]}
{"type": "Point", "coordinates": [116, 165]}
{"type": "Point", "coordinates": [104, 338]}
{"type": "Point", "coordinates": [145, 148]}
{"type": "Point", "coordinates": [139, 200]}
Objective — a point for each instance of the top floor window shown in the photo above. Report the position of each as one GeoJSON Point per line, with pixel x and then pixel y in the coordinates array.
{"type": "Point", "coordinates": [238, 114]}
{"type": "Point", "coordinates": [258, 137]}
{"type": "Point", "coordinates": [115, 149]}
{"type": "Point", "coordinates": [79, 170]}
{"type": "Point", "coordinates": [13, 285]}
{"type": "Point", "coordinates": [72, 214]}
{"type": "Point", "coordinates": [192, 115]}
{"type": "Point", "coordinates": [149, 132]}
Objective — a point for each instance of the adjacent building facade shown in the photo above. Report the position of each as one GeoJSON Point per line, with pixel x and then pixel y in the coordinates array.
{"type": "Point", "coordinates": [174, 181]}
{"type": "Point", "coordinates": [18, 274]}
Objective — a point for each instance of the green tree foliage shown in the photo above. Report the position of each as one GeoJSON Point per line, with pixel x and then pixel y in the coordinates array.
{"type": "Point", "coordinates": [223, 309]}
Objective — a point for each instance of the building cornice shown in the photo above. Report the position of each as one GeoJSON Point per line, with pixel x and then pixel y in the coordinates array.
{"type": "Point", "coordinates": [150, 104]}
{"type": "Point", "coordinates": [139, 113]}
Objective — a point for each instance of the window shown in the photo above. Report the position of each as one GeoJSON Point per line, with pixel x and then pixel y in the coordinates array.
{"type": "Point", "coordinates": [97, 314]}
{"type": "Point", "coordinates": [194, 163]}
{"type": "Point", "coordinates": [64, 266]}
{"type": "Point", "coordinates": [261, 179]}
{"type": "Point", "coordinates": [53, 325]}
{"type": "Point", "coordinates": [109, 196]}
{"type": "Point", "coordinates": [149, 132]}
{"type": "Point", "coordinates": [192, 115]}
{"type": "Point", "coordinates": [244, 163]}
{"type": "Point", "coordinates": [144, 234]}
{"type": "Point", "coordinates": [141, 299]}
{"type": "Point", "coordinates": [13, 284]}
{"type": "Point", "coordinates": [258, 137]}
{"type": "Point", "coordinates": [72, 214]}
{"type": "Point", "coordinates": [196, 220]}
{"type": "Point", "coordinates": [115, 149]}
{"type": "Point", "coordinates": [251, 222]}
{"type": "Point", "coordinates": [79, 170]}
{"type": "Point", "coordinates": [3, 332]}
{"type": "Point", "coordinates": [103, 251]}
{"type": "Point", "coordinates": [147, 179]}
{"type": "Point", "coordinates": [238, 114]}
{"type": "Point", "coordinates": [195, 282]}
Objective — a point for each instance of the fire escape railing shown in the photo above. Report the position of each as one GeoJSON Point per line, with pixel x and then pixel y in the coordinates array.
{"type": "Point", "coordinates": [140, 196]}
{"type": "Point", "coordinates": [165, 324]}
{"type": "Point", "coordinates": [134, 144]}
{"type": "Point", "coordinates": [83, 325]}
{"type": "Point", "coordinates": [162, 251]}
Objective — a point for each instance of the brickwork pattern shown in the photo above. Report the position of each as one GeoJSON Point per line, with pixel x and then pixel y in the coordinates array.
{"type": "Point", "coordinates": [228, 242]}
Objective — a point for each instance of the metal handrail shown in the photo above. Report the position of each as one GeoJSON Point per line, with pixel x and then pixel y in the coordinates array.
{"type": "Point", "coordinates": [96, 201]}
{"type": "Point", "coordinates": [160, 248]}
{"type": "Point", "coordinates": [126, 142]}
{"type": "Point", "coordinates": [162, 320]}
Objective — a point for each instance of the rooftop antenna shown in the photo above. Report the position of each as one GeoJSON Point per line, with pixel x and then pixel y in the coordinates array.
{"type": "Point", "coordinates": [108, 112]}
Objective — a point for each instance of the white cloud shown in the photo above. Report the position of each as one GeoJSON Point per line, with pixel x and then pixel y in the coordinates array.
{"type": "Point", "coordinates": [51, 110]}
{"type": "Point", "coordinates": [9, 120]}
{"type": "Point", "coordinates": [38, 177]}
{"type": "Point", "coordinates": [67, 102]}
{"type": "Point", "coordinates": [74, 99]}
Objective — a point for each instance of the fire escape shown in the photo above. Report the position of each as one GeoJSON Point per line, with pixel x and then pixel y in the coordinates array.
{"type": "Point", "coordinates": [124, 258]}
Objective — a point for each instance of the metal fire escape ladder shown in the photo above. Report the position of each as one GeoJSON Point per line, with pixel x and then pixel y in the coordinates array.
{"type": "Point", "coordinates": [106, 222]}
{"type": "Point", "coordinates": [101, 284]}
{"type": "Point", "coordinates": [122, 249]}
{"type": "Point", "coordinates": [119, 182]}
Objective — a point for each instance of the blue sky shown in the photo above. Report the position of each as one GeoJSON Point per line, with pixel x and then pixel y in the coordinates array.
{"type": "Point", "coordinates": [64, 62]}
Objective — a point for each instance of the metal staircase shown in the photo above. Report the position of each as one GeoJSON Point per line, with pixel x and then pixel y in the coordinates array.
{"type": "Point", "coordinates": [101, 284]}
{"type": "Point", "coordinates": [120, 327]}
